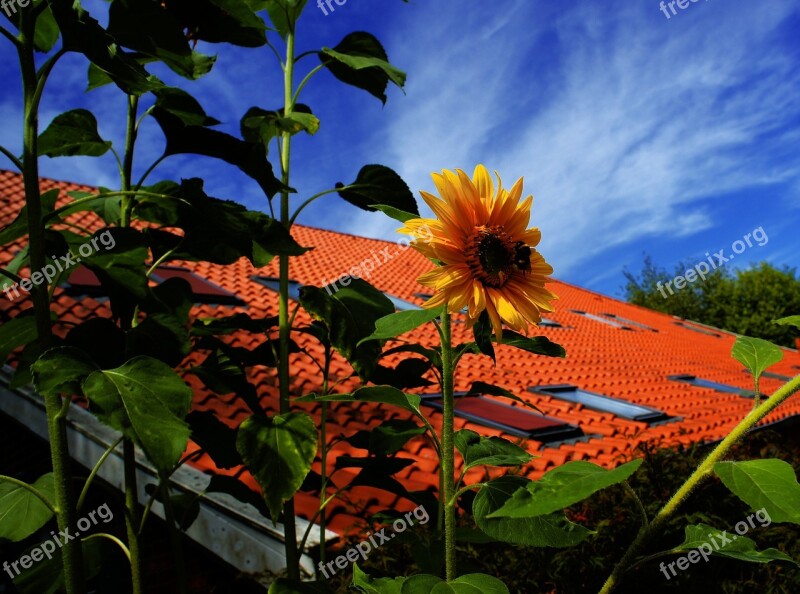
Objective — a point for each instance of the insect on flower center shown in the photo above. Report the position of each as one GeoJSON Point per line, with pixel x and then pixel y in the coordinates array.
{"type": "Point", "coordinates": [493, 255]}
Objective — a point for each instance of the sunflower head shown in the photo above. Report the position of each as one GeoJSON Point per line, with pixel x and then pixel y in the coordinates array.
{"type": "Point", "coordinates": [486, 251]}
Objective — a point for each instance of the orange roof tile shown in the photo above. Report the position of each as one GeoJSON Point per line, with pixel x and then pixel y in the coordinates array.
{"type": "Point", "coordinates": [631, 365]}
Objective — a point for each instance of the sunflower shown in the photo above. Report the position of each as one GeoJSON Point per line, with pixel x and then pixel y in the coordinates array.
{"type": "Point", "coordinates": [485, 250]}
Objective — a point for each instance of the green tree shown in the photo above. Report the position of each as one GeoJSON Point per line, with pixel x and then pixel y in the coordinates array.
{"type": "Point", "coordinates": [743, 301]}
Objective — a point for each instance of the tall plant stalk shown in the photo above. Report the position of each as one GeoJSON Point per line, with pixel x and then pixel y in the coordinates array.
{"type": "Point", "coordinates": [56, 407]}
{"type": "Point", "coordinates": [703, 471]}
{"type": "Point", "coordinates": [448, 454]}
{"type": "Point", "coordinates": [284, 324]}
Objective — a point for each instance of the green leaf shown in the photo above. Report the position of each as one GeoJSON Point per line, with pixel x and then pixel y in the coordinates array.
{"type": "Point", "coordinates": [769, 485]}
{"type": "Point", "coordinates": [229, 324]}
{"type": "Point", "coordinates": [540, 345]}
{"type": "Point", "coordinates": [46, 34]}
{"type": "Point", "coordinates": [278, 451]}
{"type": "Point", "coordinates": [350, 315]}
{"type": "Point", "coordinates": [395, 213]}
{"type": "Point", "coordinates": [16, 333]}
{"type": "Point", "coordinates": [61, 370]}
{"type": "Point", "coordinates": [756, 355]}
{"type": "Point", "coordinates": [378, 185]}
{"type": "Point", "coordinates": [147, 401]}
{"type": "Point", "coordinates": [401, 322]}
{"type": "Point", "coordinates": [368, 585]}
{"type": "Point", "coordinates": [383, 394]}
{"type": "Point", "coordinates": [150, 29]}
{"type": "Point", "coordinates": [387, 438]}
{"type": "Point", "coordinates": [478, 450]}
{"type": "Point", "coordinates": [360, 60]}
{"type": "Point", "coordinates": [788, 321]}
{"type": "Point", "coordinates": [81, 33]}
{"type": "Point", "coordinates": [21, 512]}
{"type": "Point", "coordinates": [222, 21]}
{"type": "Point", "coordinates": [552, 530]}
{"type": "Point", "coordinates": [284, 14]}
{"type": "Point", "coordinates": [259, 125]}
{"type": "Point", "coordinates": [562, 486]}
{"type": "Point", "coordinates": [472, 583]}
{"type": "Point", "coordinates": [701, 536]}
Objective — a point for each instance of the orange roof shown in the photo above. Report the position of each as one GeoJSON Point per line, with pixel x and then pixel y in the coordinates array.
{"type": "Point", "coordinates": [627, 364]}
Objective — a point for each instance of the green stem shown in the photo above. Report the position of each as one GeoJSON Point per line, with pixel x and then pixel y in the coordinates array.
{"type": "Point", "coordinates": [132, 513]}
{"type": "Point", "coordinates": [448, 453]}
{"type": "Point", "coordinates": [54, 405]}
{"type": "Point", "coordinates": [95, 470]}
{"type": "Point", "coordinates": [174, 534]}
{"type": "Point", "coordinates": [305, 80]}
{"type": "Point", "coordinates": [315, 196]}
{"type": "Point", "coordinates": [113, 539]}
{"type": "Point", "coordinates": [17, 163]}
{"type": "Point", "coordinates": [284, 327]}
{"type": "Point", "coordinates": [67, 207]}
{"type": "Point", "coordinates": [323, 446]}
{"type": "Point", "coordinates": [703, 471]}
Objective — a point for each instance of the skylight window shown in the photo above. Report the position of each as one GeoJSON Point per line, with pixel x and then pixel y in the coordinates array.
{"type": "Point", "coordinates": [704, 383]}
{"type": "Point", "coordinates": [514, 420]}
{"type": "Point", "coordinates": [629, 322]}
{"type": "Point", "coordinates": [600, 319]}
{"type": "Point", "coordinates": [620, 408]}
{"type": "Point", "coordinates": [771, 375]}
{"type": "Point", "coordinates": [693, 328]}
{"type": "Point", "coordinates": [273, 283]}
{"type": "Point", "coordinates": [548, 323]}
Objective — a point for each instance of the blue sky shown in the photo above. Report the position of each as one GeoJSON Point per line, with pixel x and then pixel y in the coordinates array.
{"type": "Point", "coordinates": [635, 133]}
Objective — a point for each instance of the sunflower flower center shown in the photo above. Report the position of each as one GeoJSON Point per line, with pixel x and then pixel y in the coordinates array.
{"type": "Point", "coordinates": [491, 255]}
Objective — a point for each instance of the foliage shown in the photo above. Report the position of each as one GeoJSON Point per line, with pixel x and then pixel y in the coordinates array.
{"type": "Point", "coordinates": [745, 301]}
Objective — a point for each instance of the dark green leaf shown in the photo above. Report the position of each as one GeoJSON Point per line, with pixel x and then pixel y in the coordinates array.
{"type": "Point", "coordinates": [278, 451]}
{"type": "Point", "coordinates": [473, 583]}
{"type": "Point", "coordinates": [769, 485]}
{"type": "Point", "coordinates": [220, 21]}
{"type": "Point", "coordinates": [540, 345]}
{"type": "Point", "coordinates": [478, 450]}
{"type": "Point", "coordinates": [360, 60]}
{"type": "Point", "coordinates": [259, 125]}
{"type": "Point", "coordinates": [147, 401]}
{"type": "Point", "coordinates": [101, 339]}
{"type": "Point", "coordinates": [395, 324]}
{"type": "Point", "coordinates": [349, 314]}
{"type": "Point", "coordinates": [21, 512]}
{"type": "Point", "coordinates": [397, 214]}
{"type": "Point", "coordinates": [387, 438]}
{"type": "Point", "coordinates": [230, 324]}
{"type": "Point", "coordinates": [61, 370]}
{"type": "Point", "coordinates": [215, 437]}
{"type": "Point", "coordinates": [46, 35]}
{"type": "Point", "coordinates": [482, 331]}
{"type": "Point", "coordinates": [284, 14]}
{"type": "Point", "coordinates": [384, 394]}
{"type": "Point", "coordinates": [408, 374]}
{"type": "Point", "coordinates": [379, 185]}
{"type": "Point", "coordinates": [368, 585]}
{"type": "Point", "coordinates": [561, 487]}
{"type": "Point", "coordinates": [552, 530]}
{"type": "Point", "coordinates": [183, 106]}
{"type": "Point", "coordinates": [149, 28]}
{"type": "Point", "coordinates": [249, 157]}
{"type": "Point", "coordinates": [16, 333]}
{"type": "Point", "coordinates": [81, 33]}
{"type": "Point", "coordinates": [741, 548]}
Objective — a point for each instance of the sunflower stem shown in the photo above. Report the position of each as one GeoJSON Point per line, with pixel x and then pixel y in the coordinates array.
{"type": "Point", "coordinates": [448, 454]}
